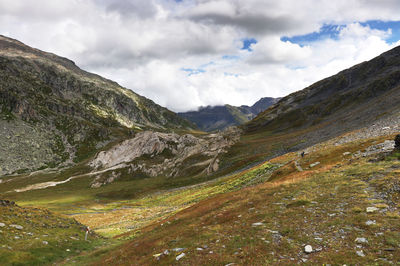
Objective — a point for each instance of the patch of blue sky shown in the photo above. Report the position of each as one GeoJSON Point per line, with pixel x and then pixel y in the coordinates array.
{"type": "Point", "coordinates": [325, 32]}
{"type": "Point", "coordinates": [247, 42]}
{"type": "Point", "coordinates": [231, 74]}
{"type": "Point", "coordinates": [230, 57]}
{"type": "Point", "coordinates": [211, 63]}
{"type": "Point", "coordinates": [385, 25]}
{"type": "Point", "coordinates": [193, 71]}
{"type": "Point", "coordinates": [331, 31]}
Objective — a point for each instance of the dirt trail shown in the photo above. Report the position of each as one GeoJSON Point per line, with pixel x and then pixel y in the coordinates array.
{"type": "Point", "coordinates": [55, 183]}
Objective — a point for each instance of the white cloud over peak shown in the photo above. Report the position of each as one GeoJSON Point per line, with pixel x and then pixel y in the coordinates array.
{"type": "Point", "coordinates": [183, 54]}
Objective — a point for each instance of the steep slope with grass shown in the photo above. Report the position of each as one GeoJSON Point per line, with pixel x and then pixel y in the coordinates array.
{"type": "Point", "coordinates": [365, 97]}
{"type": "Point", "coordinates": [212, 118]}
{"type": "Point", "coordinates": [355, 97]}
{"type": "Point", "coordinates": [52, 112]}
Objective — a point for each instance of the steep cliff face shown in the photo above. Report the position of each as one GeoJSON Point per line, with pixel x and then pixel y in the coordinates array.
{"type": "Point", "coordinates": [57, 112]}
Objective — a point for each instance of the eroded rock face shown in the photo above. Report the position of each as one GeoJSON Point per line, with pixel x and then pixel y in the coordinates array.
{"type": "Point", "coordinates": [169, 154]}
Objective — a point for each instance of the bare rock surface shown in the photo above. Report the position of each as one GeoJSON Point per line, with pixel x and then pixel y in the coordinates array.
{"type": "Point", "coordinates": [156, 153]}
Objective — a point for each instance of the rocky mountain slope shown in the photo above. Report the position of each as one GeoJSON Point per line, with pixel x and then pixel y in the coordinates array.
{"type": "Point", "coordinates": [212, 118]}
{"type": "Point", "coordinates": [351, 99]}
{"type": "Point", "coordinates": [53, 112]}
{"type": "Point", "coordinates": [364, 97]}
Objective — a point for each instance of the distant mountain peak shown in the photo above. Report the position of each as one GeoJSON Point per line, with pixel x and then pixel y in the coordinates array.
{"type": "Point", "coordinates": [210, 118]}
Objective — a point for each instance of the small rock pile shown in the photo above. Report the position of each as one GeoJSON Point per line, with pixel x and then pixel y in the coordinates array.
{"type": "Point", "coordinates": [6, 203]}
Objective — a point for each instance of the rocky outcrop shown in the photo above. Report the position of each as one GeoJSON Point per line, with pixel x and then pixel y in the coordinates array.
{"type": "Point", "coordinates": [384, 147]}
{"type": "Point", "coordinates": [167, 154]}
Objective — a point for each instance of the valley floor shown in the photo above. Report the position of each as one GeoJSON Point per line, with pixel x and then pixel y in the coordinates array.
{"type": "Point", "coordinates": [346, 208]}
{"type": "Point", "coordinates": [342, 199]}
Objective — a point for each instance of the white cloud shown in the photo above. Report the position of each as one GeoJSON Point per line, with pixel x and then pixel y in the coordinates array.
{"type": "Point", "coordinates": [144, 45]}
{"type": "Point", "coordinates": [273, 50]}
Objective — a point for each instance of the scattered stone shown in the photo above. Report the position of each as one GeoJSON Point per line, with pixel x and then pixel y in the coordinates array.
{"type": "Point", "coordinates": [199, 249]}
{"type": "Point", "coordinates": [45, 242]}
{"type": "Point", "coordinates": [361, 240]}
{"type": "Point", "coordinates": [166, 252]}
{"type": "Point", "coordinates": [68, 250]}
{"type": "Point", "coordinates": [230, 264]}
{"type": "Point", "coordinates": [2, 224]}
{"type": "Point", "coordinates": [370, 222]}
{"type": "Point", "coordinates": [308, 249]}
{"type": "Point", "coordinates": [157, 256]}
{"type": "Point", "coordinates": [390, 249]}
{"type": "Point", "coordinates": [314, 164]}
{"type": "Point", "coordinates": [360, 253]}
{"type": "Point", "coordinates": [6, 203]}
{"type": "Point", "coordinates": [178, 249]}
{"type": "Point", "coordinates": [16, 237]}
{"type": "Point", "coordinates": [298, 166]}
{"type": "Point", "coordinates": [386, 146]}
{"type": "Point", "coordinates": [16, 226]}
{"type": "Point", "coordinates": [371, 209]}
{"type": "Point", "coordinates": [180, 256]}
{"type": "Point", "coordinates": [205, 246]}
{"type": "Point", "coordinates": [346, 153]}
{"type": "Point", "coordinates": [257, 224]}
{"type": "Point", "coordinates": [318, 238]}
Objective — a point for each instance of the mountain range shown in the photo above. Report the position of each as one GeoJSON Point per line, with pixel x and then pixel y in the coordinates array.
{"type": "Point", "coordinates": [219, 117]}
{"type": "Point", "coordinates": [92, 173]}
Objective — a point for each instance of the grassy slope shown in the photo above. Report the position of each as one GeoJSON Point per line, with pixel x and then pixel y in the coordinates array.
{"type": "Point", "coordinates": [323, 206]}
{"type": "Point", "coordinates": [199, 220]}
{"type": "Point", "coordinates": [45, 237]}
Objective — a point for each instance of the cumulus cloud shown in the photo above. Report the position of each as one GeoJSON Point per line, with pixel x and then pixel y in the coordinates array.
{"type": "Point", "coordinates": [273, 50]}
{"type": "Point", "coordinates": [183, 54]}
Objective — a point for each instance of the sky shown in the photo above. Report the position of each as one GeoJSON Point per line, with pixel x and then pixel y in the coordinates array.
{"type": "Point", "coordinates": [184, 54]}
